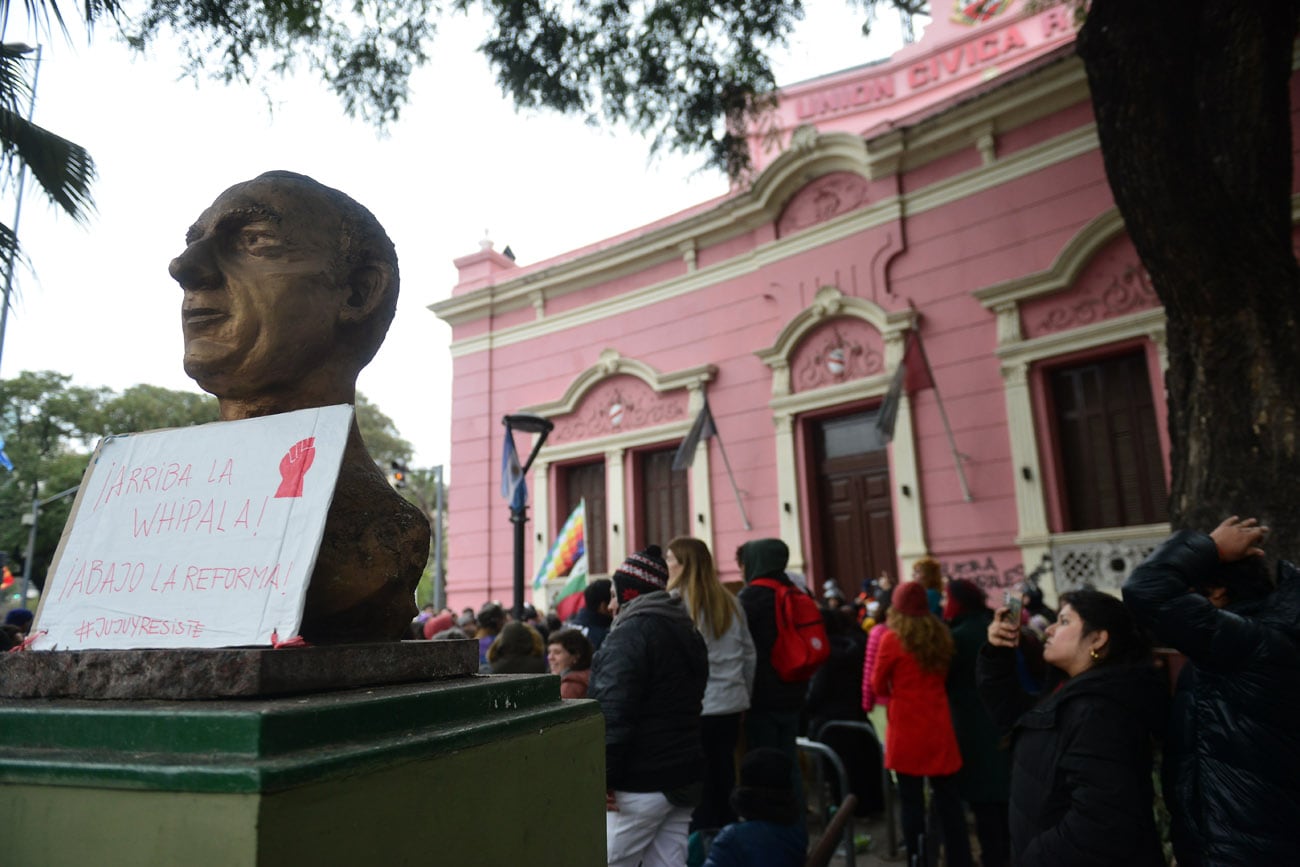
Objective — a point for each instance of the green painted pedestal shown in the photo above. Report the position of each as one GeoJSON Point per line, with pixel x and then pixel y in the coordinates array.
{"type": "Point", "coordinates": [473, 771]}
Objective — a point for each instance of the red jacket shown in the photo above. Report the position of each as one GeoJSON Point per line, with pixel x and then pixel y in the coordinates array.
{"type": "Point", "coordinates": [574, 684]}
{"type": "Point", "coordinates": [919, 740]}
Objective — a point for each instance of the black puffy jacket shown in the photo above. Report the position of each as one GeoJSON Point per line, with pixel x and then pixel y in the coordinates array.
{"type": "Point", "coordinates": [649, 677]}
{"type": "Point", "coordinates": [1081, 788]}
{"type": "Point", "coordinates": [1232, 755]}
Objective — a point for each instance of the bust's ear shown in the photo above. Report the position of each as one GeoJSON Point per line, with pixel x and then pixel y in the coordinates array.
{"type": "Point", "coordinates": [367, 288]}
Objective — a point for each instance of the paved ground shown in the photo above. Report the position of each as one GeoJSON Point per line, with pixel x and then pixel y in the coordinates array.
{"type": "Point", "coordinates": [878, 853]}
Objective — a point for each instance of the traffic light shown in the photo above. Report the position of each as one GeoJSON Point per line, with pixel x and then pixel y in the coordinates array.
{"type": "Point", "coordinates": [397, 474]}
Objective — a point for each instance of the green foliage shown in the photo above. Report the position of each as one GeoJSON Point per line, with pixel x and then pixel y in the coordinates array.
{"type": "Point", "coordinates": [365, 50]}
{"type": "Point", "coordinates": [380, 435]}
{"type": "Point", "coordinates": [48, 425]}
{"type": "Point", "coordinates": [422, 491]}
{"type": "Point", "coordinates": [691, 74]}
{"type": "Point", "coordinates": [150, 407]}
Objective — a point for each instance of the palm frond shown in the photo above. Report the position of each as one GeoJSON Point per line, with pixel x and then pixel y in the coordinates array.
{"type": "Point", "coordinates": [11, 256]}
{"type": "Point", "coordinates": [63, 169]}
{"type": "Point", "coordinates": [15, 85]}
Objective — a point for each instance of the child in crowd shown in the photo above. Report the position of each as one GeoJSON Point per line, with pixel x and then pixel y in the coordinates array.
{"type": "Point", "coordinates": [771, 832]}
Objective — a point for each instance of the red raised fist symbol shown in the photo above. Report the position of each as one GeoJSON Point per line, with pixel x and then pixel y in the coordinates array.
{"type": "Point", "coordinates": [294, 465]}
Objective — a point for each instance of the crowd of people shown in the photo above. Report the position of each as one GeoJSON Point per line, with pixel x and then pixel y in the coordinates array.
{"type": "Point", "coordinates": [1041, 730]}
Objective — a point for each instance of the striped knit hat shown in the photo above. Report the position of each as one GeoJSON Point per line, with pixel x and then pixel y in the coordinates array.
{"type": "Point", "coordinates": [643, 572]}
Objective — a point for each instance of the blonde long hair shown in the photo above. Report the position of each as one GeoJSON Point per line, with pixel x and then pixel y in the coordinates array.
{"type": "Point", "coordinates": [924, 637]}
{"type": "Point", "coordinates": [706, 599]}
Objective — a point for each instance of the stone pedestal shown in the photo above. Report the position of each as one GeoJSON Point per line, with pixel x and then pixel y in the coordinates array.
{"type": "Point", "coordinates": [471, 770]}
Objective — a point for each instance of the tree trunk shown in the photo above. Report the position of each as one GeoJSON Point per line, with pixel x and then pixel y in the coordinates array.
{"type": "Point", "coordinates": [1193, 109]}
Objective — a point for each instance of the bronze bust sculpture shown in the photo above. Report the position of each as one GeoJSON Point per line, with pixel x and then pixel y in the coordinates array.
{"type": "Point", "coordinates": [289, 288]}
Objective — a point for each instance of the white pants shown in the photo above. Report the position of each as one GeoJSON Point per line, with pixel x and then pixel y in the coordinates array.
{"type": "Point", "coordinates": [646, 830]}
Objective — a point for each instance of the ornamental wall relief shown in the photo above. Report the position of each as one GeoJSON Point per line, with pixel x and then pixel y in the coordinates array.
{"type": "Point", "coordinates": [618, 404]}
{"type": "Point", "coordinates": [842, 349]}
{"type": "Point", "coordinates": [823, 199]}
{"type": "Point", "coordinates": [1113, 284]}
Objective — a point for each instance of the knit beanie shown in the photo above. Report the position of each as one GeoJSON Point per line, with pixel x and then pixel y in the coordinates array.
{"type": "Point", "coordinates": [910, 599]}
{"type": "Point", "coordinates": [643, 572]}
{"type": "Point", "coordinates": [766, 789]}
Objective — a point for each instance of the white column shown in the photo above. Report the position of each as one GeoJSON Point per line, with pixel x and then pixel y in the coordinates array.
{"type": "Point", "coordinates": [906, 500]}
{"type": "Point", "coordinates": [540, 494]}
{"type": "Point", "coordinates": [615, 509]}
{"type": "Point", "coordinates": [702, 497]}
{"type": "Point", "coordinates": [1031, 510]}
{"type": "Point", "coordinates": [787, 490]}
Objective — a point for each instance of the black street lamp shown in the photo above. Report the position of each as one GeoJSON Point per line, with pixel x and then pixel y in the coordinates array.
{"type": "Point", "coordinates": [542, 427]}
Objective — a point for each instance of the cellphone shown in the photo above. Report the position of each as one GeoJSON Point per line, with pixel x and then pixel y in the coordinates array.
{"type": "Point", "coordinates": [1013, 603]}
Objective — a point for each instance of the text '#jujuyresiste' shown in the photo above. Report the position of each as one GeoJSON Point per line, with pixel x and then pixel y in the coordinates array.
{"type": "Point", "coordinates": [136, 626]}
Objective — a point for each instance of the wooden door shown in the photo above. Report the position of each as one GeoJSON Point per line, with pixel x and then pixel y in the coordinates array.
{"type": "Point", "coordinates": [855, 504]}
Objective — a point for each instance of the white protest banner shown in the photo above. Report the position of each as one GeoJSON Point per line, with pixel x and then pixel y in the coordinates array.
{"type": "Point", "coordinates": [195, 537]}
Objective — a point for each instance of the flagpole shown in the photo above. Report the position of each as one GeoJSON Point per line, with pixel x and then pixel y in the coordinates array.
{"type": "Point", "coordinates": [18, 212]}
{"type": "Point", "coordinates": [732, 478]}
{"type": "Point", "coordinates": [947, 428]}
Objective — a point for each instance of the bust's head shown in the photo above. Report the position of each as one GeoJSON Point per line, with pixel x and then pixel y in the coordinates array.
{"type": "Point", "coordinates": [289, 288]}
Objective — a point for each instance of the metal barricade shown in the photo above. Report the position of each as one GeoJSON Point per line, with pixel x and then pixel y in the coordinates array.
{"type": "Point", "coordinates": [825, 752]}
{"type": "Point", "coordinates": [887, 785]}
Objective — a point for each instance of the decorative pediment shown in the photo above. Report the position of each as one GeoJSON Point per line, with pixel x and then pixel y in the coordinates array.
{"type": "Point", "coordinates": [1073, 258]}
{"type": "Point", "coordinates": [862, 324]}
{"type": "Point", "coordinates": [617, 395]}
{"type": "Point", "coordinates": [1113, 283]}
{"type": "Point", "coordinates": [841, 349]}
{"type": "Point", "coordinates": [1096, 277]}
{"type": "Point", "coordinates": [825, 198]}
{"type": "Point", "coordinates": [617, 405]}
{"type": "Point", "coordinates": [813, 155]}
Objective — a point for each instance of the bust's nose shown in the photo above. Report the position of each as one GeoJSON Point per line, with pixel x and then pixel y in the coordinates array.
{"type": "Point", "coordinates": [195, 268]}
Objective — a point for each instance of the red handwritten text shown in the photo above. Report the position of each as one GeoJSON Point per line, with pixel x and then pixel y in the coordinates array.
{"type": "Point", "coordinates": [135, 626]}
{"type": "Point", "coordinates": [234, 577]}
{"type": "Point", "coordinates": [195, 515]}
{"type": "Point", "coordinates": [121, 481]}
{"type": "Point", "coordinates": [98, 578]}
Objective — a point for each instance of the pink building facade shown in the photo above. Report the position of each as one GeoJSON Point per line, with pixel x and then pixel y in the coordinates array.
{"type": "Point", "coordinates": [956, 193]}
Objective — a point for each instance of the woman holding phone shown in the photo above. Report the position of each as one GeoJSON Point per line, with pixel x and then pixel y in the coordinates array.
{"type": "Point", "coordinates": [1081, 791]}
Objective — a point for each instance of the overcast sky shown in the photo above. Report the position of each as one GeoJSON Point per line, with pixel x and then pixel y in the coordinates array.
{"type": "Point", "coordinates": [101, 307]}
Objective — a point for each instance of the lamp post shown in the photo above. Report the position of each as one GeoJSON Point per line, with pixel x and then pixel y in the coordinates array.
{"type": "Point", "coordinates": [30, 520]}
{"type": "Point", "coordinates": [533, 424]}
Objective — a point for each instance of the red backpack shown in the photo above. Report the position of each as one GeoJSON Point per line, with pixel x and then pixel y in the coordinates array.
{"type": "Point", "coordinates": [801, 643]}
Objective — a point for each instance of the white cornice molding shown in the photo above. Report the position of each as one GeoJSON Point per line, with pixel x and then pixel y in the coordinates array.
{"type": "Point", "coordinates": [1017, 103]}
{"type": "Point", "coordinates": [624, 440]}
{"type": "Point", "coordinates": [882, 213]}
{"type": "Point", "coordinates": [791, 405]}
{"type": "Point", "coordinates": [1014, 104]}
{"type": "Point", "coordinates": [759, 205]}
{"type": "Point", "coordinates": [611, 363]}
{"type": "Point", "coordinates": [1064, 147]}
{"type": "Point", "coordinates": [1146, 323]}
